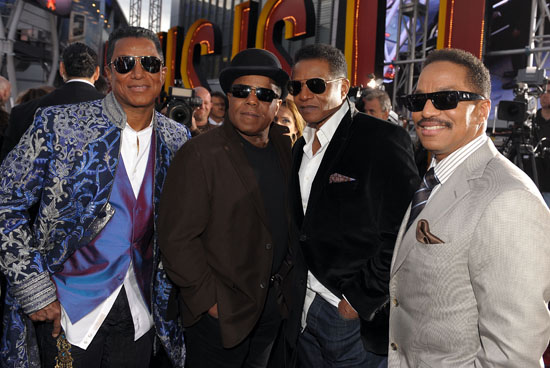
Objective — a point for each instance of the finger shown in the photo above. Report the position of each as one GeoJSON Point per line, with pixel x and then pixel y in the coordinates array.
{"type": "Point", "coordinates": [56, 327]}
{"type": "Point", "coordinates": [38, 316]}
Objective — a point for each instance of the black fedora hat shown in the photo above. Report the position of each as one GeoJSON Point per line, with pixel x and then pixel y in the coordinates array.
{"type": "Point", "coordinates": [254, 62]}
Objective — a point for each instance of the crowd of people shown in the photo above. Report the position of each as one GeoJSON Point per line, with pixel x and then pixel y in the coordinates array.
{"type": "Point", "coordinates": [282, 228]}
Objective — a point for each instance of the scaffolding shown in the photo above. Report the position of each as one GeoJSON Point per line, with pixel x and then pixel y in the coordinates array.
{"type": "Point", "coordinates": [155, 12]}
{"type": "Point", "coordinates": [135, 13]}
{"type": "Point", "coordinates": [412, 14]}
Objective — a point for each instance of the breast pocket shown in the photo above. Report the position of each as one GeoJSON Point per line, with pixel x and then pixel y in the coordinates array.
{"type": "Point", "coordinates": [343, 190]}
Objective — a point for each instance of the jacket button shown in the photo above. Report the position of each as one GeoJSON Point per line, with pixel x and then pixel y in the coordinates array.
{"type": "Point", "coordinates": [268, 246]}
{"type": "Point", "coordinates": [395, 302]}
{"type": "Point", "coordinates": [393, 346]}
{"type": "Point", "coordinates": [262, 285]}
{"type": "Point", "coordinates": [303, 237]}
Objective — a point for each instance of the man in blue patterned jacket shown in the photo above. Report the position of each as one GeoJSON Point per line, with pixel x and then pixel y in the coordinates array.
{"type": "Point", "coordinates": [85, 286]}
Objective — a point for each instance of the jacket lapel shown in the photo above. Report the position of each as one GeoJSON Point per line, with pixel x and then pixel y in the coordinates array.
{"type": "Point", "coordinates": [444, 200]}
{"type": "Point", "coordinates": [331, 157]}
{"type": "Point", "coordinates": [235, 151]}
{"type": "Point", "coordinates": [295, 192]}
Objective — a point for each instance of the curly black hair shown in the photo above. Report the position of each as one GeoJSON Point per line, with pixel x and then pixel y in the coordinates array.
{"type": "Point", "coordinates": [79, 60]}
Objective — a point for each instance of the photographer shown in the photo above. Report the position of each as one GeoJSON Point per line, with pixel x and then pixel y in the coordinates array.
{"type": "Point", "coordinates": [202, 112]}
{"type": "Point", "coordinates": [541, 130]}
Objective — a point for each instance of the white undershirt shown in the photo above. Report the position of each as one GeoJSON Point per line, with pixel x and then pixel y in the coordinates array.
{"type": "Point", "coordinates": [134, 150]}
{"type": "Point", "coordinates": [308, 170]}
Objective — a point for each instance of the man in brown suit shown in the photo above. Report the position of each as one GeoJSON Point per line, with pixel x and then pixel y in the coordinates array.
{"type": "Point", "coordinates": [223, 229]}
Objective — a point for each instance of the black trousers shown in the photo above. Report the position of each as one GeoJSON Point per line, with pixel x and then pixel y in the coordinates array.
{"type": "Point", "coordinates": [113, 345]}
{"type": "Point", "coordinates": [204, 343]}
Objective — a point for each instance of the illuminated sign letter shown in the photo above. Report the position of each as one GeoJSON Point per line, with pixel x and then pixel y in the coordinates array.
{"type": "Point", "coordinates": [364, 41]}
{"type": "Point", "coordinates": [203, 38]}
{"type": "Point", "coordinates": [297, 17]}
{"type": "Point", "coordinates": [244, 26]}
{"type": "Point", "coordinates": [174, 43]}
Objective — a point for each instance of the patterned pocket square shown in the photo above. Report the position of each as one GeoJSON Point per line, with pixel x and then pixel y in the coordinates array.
{"type": "Point", "coordinates": [339, 178]}
{"type": "Point", "coordinates": [423, 234]}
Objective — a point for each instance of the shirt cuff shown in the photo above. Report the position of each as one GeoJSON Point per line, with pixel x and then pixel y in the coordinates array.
{"type": "Point", "coordinates": [35, 293]}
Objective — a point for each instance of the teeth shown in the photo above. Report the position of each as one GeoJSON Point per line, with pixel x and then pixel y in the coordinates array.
{"type": "Point", "coordinates": [433, 127]}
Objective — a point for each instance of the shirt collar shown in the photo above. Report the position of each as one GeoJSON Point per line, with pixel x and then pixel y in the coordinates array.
{"type": "Point", "coordinates": [80, 80]}
{"type": "Point", "coordinates": [214, 122]}
{"type": "Point", "coordinates": [445, 168]}
{"type": "Point", "coordinates": [327, 130]}
{"type": "Point", "coordinates": [144, 131]}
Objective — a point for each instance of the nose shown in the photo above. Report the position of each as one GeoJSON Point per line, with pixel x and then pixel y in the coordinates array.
{"type": "Point", "coordinates": [305, 93]}
{"type": "Point", "coordinates": [138, 71]}
{"type": "Point", "coordinates": [429, 109]}
{"type": "Point", "coordinates": [251, 99]}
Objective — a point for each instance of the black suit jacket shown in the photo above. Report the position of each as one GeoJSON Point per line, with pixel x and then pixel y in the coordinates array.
{"type": "Point", "coordinates": [214, 232]}
{"type": "Point", "coordinates": [347, 235]}
{"type": "Point", "coordinates": [22, 115]}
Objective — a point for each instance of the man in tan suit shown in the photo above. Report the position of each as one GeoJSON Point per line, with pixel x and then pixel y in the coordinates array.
{"type": "Point", "coordinates": [470, 276]}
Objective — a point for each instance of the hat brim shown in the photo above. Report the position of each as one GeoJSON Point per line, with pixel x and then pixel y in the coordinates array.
{"type": "Point", "coordinates": [229, 74]}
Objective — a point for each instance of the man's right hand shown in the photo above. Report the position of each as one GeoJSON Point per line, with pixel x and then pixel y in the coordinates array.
{"type": "Point", "coordinates": [50, 313]}
{"type": "Point", "coordinates": [213, 311]}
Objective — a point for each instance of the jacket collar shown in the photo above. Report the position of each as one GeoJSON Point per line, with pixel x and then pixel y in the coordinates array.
{"type": "Point", "coordinates": [115, 113]}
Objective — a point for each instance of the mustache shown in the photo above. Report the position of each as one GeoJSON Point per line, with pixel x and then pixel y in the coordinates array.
{"type": "Point", "coordinates": [433, 120]}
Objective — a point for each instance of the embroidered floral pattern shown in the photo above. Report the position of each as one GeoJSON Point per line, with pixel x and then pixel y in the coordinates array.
{"type": "Point", "coordinates": [66, 163]}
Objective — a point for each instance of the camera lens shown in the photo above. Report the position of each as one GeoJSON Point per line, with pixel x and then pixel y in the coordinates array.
{"type": "Point", "coordinates": [180, 112]}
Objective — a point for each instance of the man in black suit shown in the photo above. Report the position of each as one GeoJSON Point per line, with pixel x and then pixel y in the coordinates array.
{"type": "Point", "coordinates": [79, 69]}
{"type": "Point", "coordinates": [352, 179]}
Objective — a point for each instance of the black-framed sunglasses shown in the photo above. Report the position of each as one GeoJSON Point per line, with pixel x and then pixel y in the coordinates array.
{"type": "Point", "coordinates": [125, 64]}
{"type": "Point", "coordinates": [262, 94]}
{"type": "Point", "coordinates": [315, 85]}
{"type": "Point", "coordinates": [443, 100]}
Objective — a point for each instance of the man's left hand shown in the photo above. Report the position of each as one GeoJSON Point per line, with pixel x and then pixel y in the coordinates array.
{"type": "Point", "coordinates": [346, 310]}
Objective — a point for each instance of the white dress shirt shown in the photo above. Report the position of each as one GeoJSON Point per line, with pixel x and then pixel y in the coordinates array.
{"type": "Point", "coordinates": [135, 147]}
{"type": "Point", "coordinates": [308, 170]}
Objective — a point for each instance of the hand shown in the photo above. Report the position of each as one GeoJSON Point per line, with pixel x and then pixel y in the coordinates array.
{"type": "Point", "coordinates": [50, 313]}
{"type": "Point", "coordinates": [194, 128]}
{"type": "Point", "coordinates": [5, 90]}
{"type": "Point", "coordinates": [213, 311]}
{"type": "Point", "coordinates": [346, 310]}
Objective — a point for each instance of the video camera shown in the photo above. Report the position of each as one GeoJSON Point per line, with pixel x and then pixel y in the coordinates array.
{"type": "Point", "coordinates": [530, 82]}
{"type": "Point", "coordinates": [180, 104]}
{"type": "Point", "coordinates": [521, 146]}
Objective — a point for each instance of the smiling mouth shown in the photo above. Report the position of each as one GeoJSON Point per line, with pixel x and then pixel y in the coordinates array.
{"type": "Point", "coordinates": [138, 87]}
{"type": "Point", "coordinates": [307, 108]}
{"type": "Point", "coordinates": [433, 127]}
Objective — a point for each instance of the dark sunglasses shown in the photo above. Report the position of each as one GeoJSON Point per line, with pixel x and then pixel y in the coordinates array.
{"type": "Point", "coordinates": [444, 100]}
{"type": "Point", "coordinates": [125, 64]}
{"type": "Point", "coordinates": [315, 85]}
{"type": "Point", "coordinates": [262, 94]}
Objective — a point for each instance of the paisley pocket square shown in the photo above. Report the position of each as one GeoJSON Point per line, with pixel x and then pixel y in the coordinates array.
{"type": "Point", "coordinates": [423, 234]}
{"type": "Point", "coordinates": [339, 178]}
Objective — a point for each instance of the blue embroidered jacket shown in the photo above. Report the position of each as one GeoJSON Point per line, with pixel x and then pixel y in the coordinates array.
{"type": "Point", "coordinates": [66, 164]}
